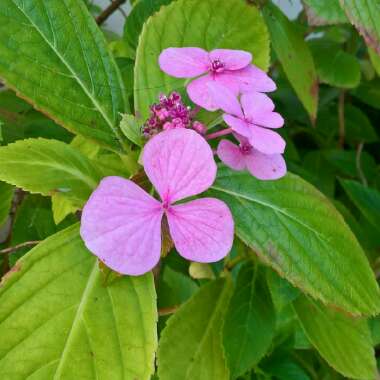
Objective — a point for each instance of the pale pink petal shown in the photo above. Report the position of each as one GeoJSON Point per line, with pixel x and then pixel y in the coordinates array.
{"type": "Point", "coordinates": [202, 230]}
{"type": "Point", "coordinates": [225, 99]}
{"type": "Point", "coordinates": [230, 154]}
{"type": "Point", "coordinates": [258, 109]}
{"type": "Point", "coordinates": [251, 78]}
{"type": "Point", "coordinates": [185, 62]}
{"type": "Point", "coordinates": [179, 163]}
{"type": "Point", "coordinates": [121, 225]}
{"type": "Point", "coordinates": [238, 125]}
{"type": "Point", "coordinates": [266, 141]}
{"type": "Point", "coordinates": [227, 79]}
{"type": "Point", "coordinates": [199, 93]}
{"type": "Point", "coordinates": [264, 166]}
{"type": "Point", "coordinates": [232, 59]}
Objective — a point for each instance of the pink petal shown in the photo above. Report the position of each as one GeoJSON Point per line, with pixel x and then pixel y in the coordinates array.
{"type": "Point", "coordinates": [251, 78]}
{"type": "Point", "coordinates": [264, 166]}
{"type": "Point", "coordinates": [231, 155]}
{"type": "Point", "coordinates": [179, 163]}
{"type": "Point", "coordinates": [266, 141]}
{"type": "Point", "coordinates": [202, 230]}
{"type": "Point", "coordinates": [232, 59]}
{"type": "Point", "coordinates": [238, 125]}
{"type": "Point", "coordinates": [121, 225]}
{"type": "Point", "coordinates": [185, 62]}
{"type": "Point", "coordinates": [225, 99]}
{"type": "Point", "coordinates": [258, 108]}
{"type": "Point", "coordinates": [228, 80]}
{"type": "Point", "coordinates": [199, 92]}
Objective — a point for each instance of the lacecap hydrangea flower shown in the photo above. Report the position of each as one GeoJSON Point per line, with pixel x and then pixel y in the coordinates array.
{"type": "Point", "coordinates": [121, 223]}
{"type": "Point", "coordinates": [230, 68]}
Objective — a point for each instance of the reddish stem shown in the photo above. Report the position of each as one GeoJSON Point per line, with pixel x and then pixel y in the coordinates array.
{"type": "Point", "coordinates": [214, 135]}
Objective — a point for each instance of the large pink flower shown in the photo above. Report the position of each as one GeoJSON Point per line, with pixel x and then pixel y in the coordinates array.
{"type": "Point", "coordinates": [121, 223]}
{"type": "Point", "coordinates": [251, 118]}
{"type": "Point", "coordinates": [230, 68]}
{"type": "Point", "coordinates": [244, 156]}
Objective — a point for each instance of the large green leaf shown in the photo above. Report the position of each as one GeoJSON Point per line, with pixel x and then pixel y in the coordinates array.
{"type": "Point", "coordinates": [58, 320]}
{"type": "Point", "coordinates": [48, 167]}
{"type": "Point", "coordinates": [345, 343]}
{"type": "Point", "coordinates": [298, 232]}
{"type": "Point", "coordinates": [295, 57]}
{"type": "Point", "coordinates": [250, 321]}
{"type": "Point", "coordinates": [53, 54]}
{"type": "Point", "coordinates": [334, 66]}
{"type": "Point", "coordinates": [6, 195]}
{"type": "Point", "coordinates": [206, 24]}
{"type": "Point", "coordinates": [324, 12]}
{"type": "Point", "coordinates": [191, 343]}
{"type": "Point", "coordinates": [367, 200]}
{"type": "Point", "coordinates": [365, 15]}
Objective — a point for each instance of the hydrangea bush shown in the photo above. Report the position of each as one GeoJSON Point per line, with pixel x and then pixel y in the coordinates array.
{"type": "Point", "coordinates": [196, 199]}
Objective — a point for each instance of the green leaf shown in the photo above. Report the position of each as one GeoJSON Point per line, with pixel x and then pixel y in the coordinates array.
{"type": "Point", "coordinates": [298, 232]}
{"type": "Point", "coordinates": [367, 200]}
{"type": "Point", "coordinates": [369, 92]}
{"type": "Point", "coordinates": [138, 16]}
{"type": "Point", "coordinates": [61, 207]}
{"type": "Point", "coordinates": [364, 15]}
{"type": "Point", "coordinates": [48, 167]}
{"type": "Point", "coordinates": [132, 129]}
{"type": "Point", "coordinates": [55, 56]}
{"type": "Point", "coordinates": [334, 66]}
{"type": "Point", "coordinates": [191, 343]}
{"type": "Point", "coordinates": [283, 367]}
{"type": "Point", "coordinates": [250, 321]}
{"type": "Point", "coordinates": [345, 343]}
{"type": "Point", "coordinates": [6, 196]}
{"type": "Point", "coordinates": [206, 24]}
{"type": "Point", "coordinates": [58, 321]}
{"type": "Point", "coordinates": [295, 57]}
{"type": "Point", "coordinates": [324, 12]}
{"type": "Point", "coordinates": [375, 60]}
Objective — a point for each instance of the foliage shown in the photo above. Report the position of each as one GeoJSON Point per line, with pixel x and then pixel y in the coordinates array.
{"type": "Point", "coordinates": [296, 298]}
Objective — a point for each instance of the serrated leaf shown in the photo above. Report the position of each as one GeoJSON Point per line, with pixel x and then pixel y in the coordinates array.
{"type": "Point", "coordinates": [295, 57]}
{"type": "Point", "coordinates": [324, 12]}
{"type": "Point", "coordinates": [206, 24]}
{"type": "Point", "coordinates": [59, 322]}
{"type": "Point", "coordinates": [367, 200]}
{"type": "Point", "coordinates": [345, 343]}
{"type": "Point", "coordinates": [364, 15]}
{"type": "Point", "coordinates": [297, 231]}
{"type": "Point", "coordinates": [6, 196]}
{"type": "Point", "coordinates": [54, 55]}
{"type": "Point", "coordinates": [334, 66]}
{"type": "Point", "coordinates": [250, 321]}
{"type": "Point", "coordinates": [191, 343]}
{"type": "Point", "coordinates": [48, 167]}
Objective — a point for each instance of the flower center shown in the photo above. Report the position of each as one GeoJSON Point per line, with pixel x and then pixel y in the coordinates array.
{"type": "Point", "coordinates": [165, 205]}
{"type": "Point", "coordinates": [217, 66]}
{"type": "Point", "coordinates": [245, 148]}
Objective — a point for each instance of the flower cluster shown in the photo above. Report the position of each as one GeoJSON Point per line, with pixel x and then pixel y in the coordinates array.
{"type": "Point", "coordinates": [230, 82]}
{"type": "Point", "coordinates": [121, 223]}
{"type": "Point", "coordinates": [170, 113]}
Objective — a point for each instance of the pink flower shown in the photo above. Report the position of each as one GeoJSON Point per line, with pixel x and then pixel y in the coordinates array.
{"type": "Point", "coordinates": [251, 118]}
{"type": "Point", "coordinates": [230, 68]}
{"type": "Point", "coordinates": [121, 223]}
{"type": "Point", "coordinates": [244, 156]}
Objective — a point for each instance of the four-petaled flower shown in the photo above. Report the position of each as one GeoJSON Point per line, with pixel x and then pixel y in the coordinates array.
{"type": "Point", "coordinates": [121, 223]}
{"type": "Point", "coordinates": [251, 118]}
{"type": "Point", "coordinates": [230, 68]}
{"type": "Point", "coordinates": [244, 156]}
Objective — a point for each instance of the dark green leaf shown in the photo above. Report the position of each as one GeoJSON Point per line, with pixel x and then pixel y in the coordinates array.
{"type": "Point", "coordinates": [324, 12]}
{"type": "Point", "coordinates": [250, 321]}
{"type": "Point", "coordinates": [6, 196]}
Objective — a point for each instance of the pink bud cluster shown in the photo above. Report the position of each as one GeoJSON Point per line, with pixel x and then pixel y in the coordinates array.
{"type": "Point", "coordinates": [170, 113]}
